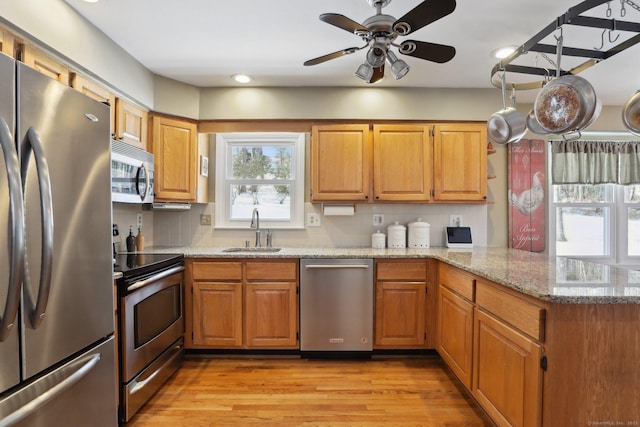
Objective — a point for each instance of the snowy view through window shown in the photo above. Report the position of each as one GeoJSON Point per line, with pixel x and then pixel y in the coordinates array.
{"type": "Point", "coordinates": [585, 214]}
{"type": "Point", "coordinates": [261, 178]}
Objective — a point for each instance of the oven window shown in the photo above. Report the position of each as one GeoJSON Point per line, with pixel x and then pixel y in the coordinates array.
{"type": "Point", "coordinates": [156, 313]}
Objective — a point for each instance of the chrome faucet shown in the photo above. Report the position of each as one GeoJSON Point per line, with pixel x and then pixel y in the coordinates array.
{"type": "Point", "coordinates": [255, 223]}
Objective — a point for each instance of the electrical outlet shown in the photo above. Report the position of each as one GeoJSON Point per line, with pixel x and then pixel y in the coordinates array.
{"type": "Point", "coordinates": [378, 220]}
{"type": "Point", "coordinates": [455, 220]}
{"type": "Point", "coordinates": [205, 219]}
{"type": "Point", "coordinates": [313, 219]}
{"type": "Point", "coordinates": [139, 220]}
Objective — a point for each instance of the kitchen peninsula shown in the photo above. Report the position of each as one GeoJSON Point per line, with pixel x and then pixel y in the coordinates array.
{"type": "Point", "coordinates": [536, 340]}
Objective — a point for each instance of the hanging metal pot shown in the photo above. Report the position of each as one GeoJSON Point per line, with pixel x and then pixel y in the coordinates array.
{"type": "Point", "coordinates": [507, 125]}
{"type": "Point", "coordinates": [631, 114]}
{"type": "Point", "coordinates": [533, 125]}
{"type": "Point", "coordinates": [566, 104]}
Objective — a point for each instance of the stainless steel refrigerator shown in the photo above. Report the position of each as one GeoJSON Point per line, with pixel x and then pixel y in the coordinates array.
{"type": "Point", "coordinates": [57, 352]}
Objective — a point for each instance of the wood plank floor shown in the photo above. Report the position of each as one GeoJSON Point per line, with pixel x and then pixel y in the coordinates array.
{"type": "Point", "coordinates": [303, 392]}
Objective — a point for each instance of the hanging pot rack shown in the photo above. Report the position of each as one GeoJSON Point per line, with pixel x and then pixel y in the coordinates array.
{"type": "Point", "coordinates": [574, 16]}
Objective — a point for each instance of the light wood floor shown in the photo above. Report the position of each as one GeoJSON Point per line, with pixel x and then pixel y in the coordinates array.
{"type": "Point", "coordinates": [303, 392]}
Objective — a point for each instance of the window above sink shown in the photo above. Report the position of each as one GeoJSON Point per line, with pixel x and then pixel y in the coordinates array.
{"type": "Point", "coordinates": [263, 171]}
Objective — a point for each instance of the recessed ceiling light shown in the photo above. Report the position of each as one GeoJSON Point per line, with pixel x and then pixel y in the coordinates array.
{"type": "Point", "coordinates": [503, 52]}
{"type": "Point", "coordinates": [91, 1]}
{"type": "Point", "coordinates": [242, 78]}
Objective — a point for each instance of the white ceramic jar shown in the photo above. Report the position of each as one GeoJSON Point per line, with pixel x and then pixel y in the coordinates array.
{"type": "Point", "coordinates": [378, 240]}
{"type": "Point", "coordinates": [397, 235]}
{"type": "Point", "coordinates": [419, 234]}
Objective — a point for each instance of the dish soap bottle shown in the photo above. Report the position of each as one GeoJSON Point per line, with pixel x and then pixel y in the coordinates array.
{"type": "Point", "coordinates": [131, 241]}
{"type": "Point", "coordinates": [139, 240]}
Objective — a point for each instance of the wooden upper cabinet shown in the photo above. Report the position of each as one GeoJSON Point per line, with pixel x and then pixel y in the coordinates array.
{"type": "Point", "coordinates": [7, 42]}
{"type": "Point", "coordinates": [131, 124]}
{"type": "Point", "coordinates": [45, 64]}
{"type": "Point", "coordinates": [340, 163]}
{"type": "Point", "coordinates": [97, 92]}
{"type": "Point", "coordinates": [175, 158]}
{"type": "Point", "coordinates": [402, 165]}
{"type": "Point", "coordinates": [460, 162]}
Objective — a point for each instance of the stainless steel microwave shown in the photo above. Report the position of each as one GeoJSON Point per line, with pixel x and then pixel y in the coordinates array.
{"type": "Point", "coordinates": [131, 174]}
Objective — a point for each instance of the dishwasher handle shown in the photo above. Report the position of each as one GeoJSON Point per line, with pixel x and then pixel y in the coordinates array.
{"type": "Point", "coordinates": [335, 266]}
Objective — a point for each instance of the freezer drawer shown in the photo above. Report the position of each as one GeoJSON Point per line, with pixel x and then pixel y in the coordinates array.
{"type": "Point", "coordinates": [79, 393]}
{"type": "Point", "coordinates": [336, 305]}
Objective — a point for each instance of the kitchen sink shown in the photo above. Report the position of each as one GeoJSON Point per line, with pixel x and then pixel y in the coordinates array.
{"type": "Point", "coordinates": [252, 250]}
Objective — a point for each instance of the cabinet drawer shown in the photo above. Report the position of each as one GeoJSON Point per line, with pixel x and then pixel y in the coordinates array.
{"type": "Point", "coordinates": [217, 270]}
{"type": "Point", "coordinates": [258, 270]}
{"type": "Point", "coordinates": [459, 282]}
{"type": "Point", "coordinates": [522, 314]}
{"type": "Point", "coordinates": [405, 270]}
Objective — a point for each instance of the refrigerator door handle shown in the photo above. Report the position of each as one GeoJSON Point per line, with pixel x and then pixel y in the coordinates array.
{"type": "Point", "coordinates": [31, 144]}
{"type": "Point", "coordinates": [16, 231]}
{"type": "Point", "coordinates": [64, 378]}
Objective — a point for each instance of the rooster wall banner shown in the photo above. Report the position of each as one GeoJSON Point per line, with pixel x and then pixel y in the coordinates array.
{"type": "Point", "coordinates": [527, 195]}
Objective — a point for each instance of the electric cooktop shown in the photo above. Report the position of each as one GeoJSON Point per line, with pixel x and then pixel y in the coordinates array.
{"type": "Point", "coordinates": [142, 264]}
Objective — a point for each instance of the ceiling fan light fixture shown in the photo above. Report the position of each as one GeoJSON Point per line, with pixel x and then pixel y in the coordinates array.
{"type": "Point", "coordinates": [399, 68]}
{"type": "Point", "coordinates": [365, 72]}
{"type": "Point", "coordinates": [375, 56]}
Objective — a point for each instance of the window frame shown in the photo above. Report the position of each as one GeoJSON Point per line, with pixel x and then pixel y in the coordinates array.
{"type": "Point", "coordinates": [616, 229]}
{"type": "Point", "coordinates": [224, 161]}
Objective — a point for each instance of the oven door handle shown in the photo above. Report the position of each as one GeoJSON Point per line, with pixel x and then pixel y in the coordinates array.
{"type": "Point", "coordinates": [155, 277]}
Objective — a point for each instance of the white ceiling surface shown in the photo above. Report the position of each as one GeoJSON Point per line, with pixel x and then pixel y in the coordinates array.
{"type": "Point", "coordinates": [204, 42]}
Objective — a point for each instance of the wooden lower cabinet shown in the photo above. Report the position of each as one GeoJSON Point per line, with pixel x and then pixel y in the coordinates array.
{"type": "Point", "coordinates": [242, 304]}
{"type": "Point", "coordinates": [400, 314]}
{"type": "Point", "coordinates": [217, 314]}
{"type": "Point", "coordinates": [404, 312]}
{"type": "Point", "coordinates": [271, 314]}
{"type": "Point", "coordinates": [507, 378]}
{"type": "Point", "coordinates": [455, 333]}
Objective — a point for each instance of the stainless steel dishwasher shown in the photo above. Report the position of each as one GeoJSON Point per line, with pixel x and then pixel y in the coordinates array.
{"type": "Point", "coordinates": [336, 305]}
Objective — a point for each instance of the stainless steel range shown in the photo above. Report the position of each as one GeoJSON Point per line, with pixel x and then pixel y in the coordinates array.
{"type": "Point", "coordinates": [150, 325]}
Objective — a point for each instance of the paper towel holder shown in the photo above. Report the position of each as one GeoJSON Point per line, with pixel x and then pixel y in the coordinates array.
{"type": "Point", "coordinates": [338, 210]}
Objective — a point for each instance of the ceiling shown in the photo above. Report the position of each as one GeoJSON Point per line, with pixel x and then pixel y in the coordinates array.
{"type": "Point", "coordinates": [204, 42]}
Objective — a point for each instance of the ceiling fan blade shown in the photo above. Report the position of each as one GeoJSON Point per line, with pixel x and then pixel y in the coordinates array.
{"type": "Point", "coordinates": [434, 52]}
{"type": "Point", "coordinates": [329, 56]}
{"type": "Point", "coordinates": [378, 74]}
{"type": "Point", "coordinates": [343, 22]}
{"type": "Point", "coordinates": [425, 13]}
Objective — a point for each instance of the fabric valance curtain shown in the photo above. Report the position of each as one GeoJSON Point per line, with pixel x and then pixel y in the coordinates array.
{"type": "Point", "coordinates": [595, 162]}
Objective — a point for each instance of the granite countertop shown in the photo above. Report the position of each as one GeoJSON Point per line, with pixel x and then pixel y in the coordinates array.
{"type": "Point", "coordinates": [553, 279]}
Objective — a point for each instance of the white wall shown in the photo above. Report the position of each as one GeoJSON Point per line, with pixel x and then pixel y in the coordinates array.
{"type": "Point", "coordinates": [58, 26]}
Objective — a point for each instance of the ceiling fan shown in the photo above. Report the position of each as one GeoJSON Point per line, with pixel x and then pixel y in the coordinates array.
{"type": "Point", "coordinates": [379, 33]}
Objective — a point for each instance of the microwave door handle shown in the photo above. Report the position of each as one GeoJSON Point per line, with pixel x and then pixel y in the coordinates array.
{"type": "Point", "coordinates": [31, 144]}
{"type": "Point", "coordinates": [142, 170]}
{"type": "Point", "coordinates": [146, 182]}
{"type": "Point", "coordinates": [16, 231]}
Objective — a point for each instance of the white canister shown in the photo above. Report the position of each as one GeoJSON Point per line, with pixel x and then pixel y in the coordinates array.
{"type": "Point", "coordinates": [397, 235]}
{"type": "Point", "coordinates": [419, 234]}
{"type": "Point", "coordinates": [378, 240]}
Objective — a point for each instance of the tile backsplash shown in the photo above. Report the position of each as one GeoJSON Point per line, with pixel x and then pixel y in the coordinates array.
{"type": "Point", "coordinates": [162, 228]}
